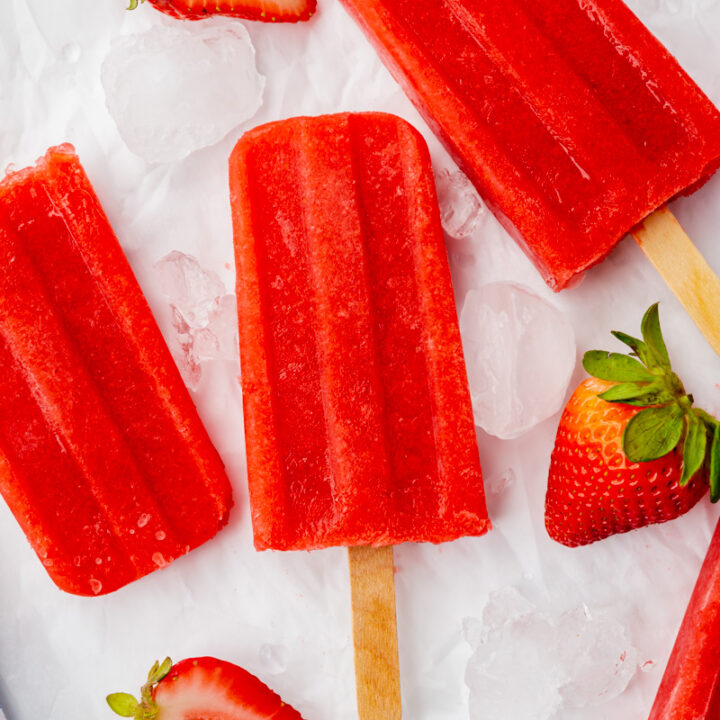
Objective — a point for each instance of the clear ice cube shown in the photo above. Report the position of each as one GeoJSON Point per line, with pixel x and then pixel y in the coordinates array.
{"type": "Point", "coordinates": [175, 89]}
{"type": "Point", "coordinates": [460, 205]}
{"type": "Point", "coordinates": [530, 665]}
{"type": "Point", "coordinates": [520, 354]}
{"type": "Point", "coordinates": [204, 316]}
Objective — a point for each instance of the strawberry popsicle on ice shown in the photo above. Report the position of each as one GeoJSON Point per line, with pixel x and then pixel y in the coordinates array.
{"type": "Point", "coordinates": [357, 412]}
{"type": "Point", "coordinates": [103, 458]}
{"type": "Point", "coordinates": [359, 428]}
{"type": "Point", "coordinates": [571, 119]}
{"type": "Point", "coordinates": [690, 688]}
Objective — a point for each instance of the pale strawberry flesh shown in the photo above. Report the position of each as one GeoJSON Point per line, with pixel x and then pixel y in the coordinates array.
{"type": "Point", "coordinates": [263, 10]}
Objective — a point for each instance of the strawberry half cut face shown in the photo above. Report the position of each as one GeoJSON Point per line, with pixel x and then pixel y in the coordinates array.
{"type": "Point", "coordinates": [263, 10]}
{"type": "Point", "coordinates": [202, 688]}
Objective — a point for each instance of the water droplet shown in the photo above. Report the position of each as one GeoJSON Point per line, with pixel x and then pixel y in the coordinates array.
{"type": "Point", "coordinates": [71, 52]}
{"type": "Point", "coordinates": [77, 560]}
{"type": "Point", "coordinates": [95, 586]}
{"type": "Point", "coordinates": [143, 520]}
{"type": "Point", "coordinates": [98, 561]}
{"type": "Point", "coordinates": [160, 535]}
{"type": "Point", "coordinates": [159, 560]}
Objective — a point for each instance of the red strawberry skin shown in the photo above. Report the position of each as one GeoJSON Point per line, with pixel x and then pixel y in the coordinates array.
{"type": "Point", "coordinates": [205, 688]}
{"type": "Point", "coordinates": [263, 10]}
{"type": "Point", "coordinates": [593, 490]}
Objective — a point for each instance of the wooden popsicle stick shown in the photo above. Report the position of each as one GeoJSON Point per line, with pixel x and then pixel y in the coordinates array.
{"type": "Point", "coordinates": [377, 669]}
{"type": "Point", "coordinates": [684, 269]}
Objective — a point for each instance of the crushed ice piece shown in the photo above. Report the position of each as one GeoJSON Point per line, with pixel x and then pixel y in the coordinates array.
{"type": "Point", "coordinates": [274, 658]}
{"type": "Point", "coordinates": [520, 355]}
{"type": "Point", "coordinates": [204, 315]}
{"type": "Point", "coordinates": [529, 665]}
{"type": "Point", "coordinates": [175, 89]}
{"type": "Point", "coordinates": [460, 205]}
{"type": "Point", "coordinates": [498, 484]}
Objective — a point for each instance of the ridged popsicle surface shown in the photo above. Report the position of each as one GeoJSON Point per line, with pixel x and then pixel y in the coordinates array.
{"type": "Point", "coordinates": [359, 429]}
{"type": "Point", "coordinates": [690, 688]}
{"type": "Point", "coordinates": [105, 463]}
{"type": "Point", "coordinates": [571, 119]}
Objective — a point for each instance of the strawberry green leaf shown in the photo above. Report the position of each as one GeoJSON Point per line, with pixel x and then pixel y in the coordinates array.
{"type": "Point", "coordinates": [640, 395]}
{"type": "Point", "coordinates": [153, 670]}
{"type": "Point", "coordinates": [695, 446]}
{"type": "Point", "coordinates": [652, 433]}
{"type": "Point", "coordinates": [122, 704]}
{"type": "Point", "coordinates": [164, 669]}
{"type": "Point", "coordinates": [134, 3]}
{"type": "Point", "coordinates": [615, 367]}
{"type": "Point", "coordinates": [715, 465]}
{"type": "Point", "coordinates": [639, 348]}
{"type": "Point", "coordinates": [652, 335]}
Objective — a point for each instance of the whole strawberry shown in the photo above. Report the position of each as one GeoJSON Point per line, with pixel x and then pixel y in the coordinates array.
{"type": "Point", "coordinates": [263, 10]}
{"type": "Point", "coordinates": [630, 450]}
{"type": "Point", "coordinates": [202, 688]}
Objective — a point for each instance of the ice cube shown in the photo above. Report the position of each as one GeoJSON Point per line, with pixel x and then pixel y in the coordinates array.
{"type": "Point", "coordinates": [599, 652]}
{"type": "Point", "coordinates": [509, 676]}
{"type": "Point", "coordinates": [195, 292]}
{"type": "Point", "coordinates": [175, 89]}
{"type": "Point", "coordinates": [460, 205]}
{"type": "Point", "coordinates": [520, 354]}
{"type": "Point", "coordinates": [203, 314]}
{"type": "Point", "coordinates": [529, 665]}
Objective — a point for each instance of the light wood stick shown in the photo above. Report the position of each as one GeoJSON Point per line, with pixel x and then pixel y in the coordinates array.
{"type": "Point", "coordinates": [377, 670]}
{"type": "Point", "coordinates": [684, 269]}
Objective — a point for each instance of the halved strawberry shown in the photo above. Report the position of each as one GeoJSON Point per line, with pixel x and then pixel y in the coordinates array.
{"type": "Point", "coordinates": [202, 688]}
{"type": "Point", "coordinates": [630, 449]}
{"type": "Point", "coordinates": [263, 10]}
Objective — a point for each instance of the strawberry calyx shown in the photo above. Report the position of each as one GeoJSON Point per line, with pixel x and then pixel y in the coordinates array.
{"type": "Point", "coordinates": [645, 378]}
{"type": "Point", "coordinates": [126, 705]}
{"type": "Point", "coordinates": [133, 4]}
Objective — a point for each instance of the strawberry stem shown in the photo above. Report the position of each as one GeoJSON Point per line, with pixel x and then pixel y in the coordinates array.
{"type": "Point", "coordinates": [126, 705]}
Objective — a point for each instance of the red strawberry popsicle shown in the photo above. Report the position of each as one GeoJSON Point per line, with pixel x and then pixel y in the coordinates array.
{"type": "Point", "coordinates": [357, 411]}
{"type": "Point", "coordinates": [103, 458]}
{"type": "Point", "coordinates": [571, 119]}
{"type": "Point", "coordinates": [358, 421]}
{"type": "Point", "coordinates": [690, 688]}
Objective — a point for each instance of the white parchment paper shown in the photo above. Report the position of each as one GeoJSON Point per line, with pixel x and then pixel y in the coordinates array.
{"type": "Point", "coordinates": [286, 616]}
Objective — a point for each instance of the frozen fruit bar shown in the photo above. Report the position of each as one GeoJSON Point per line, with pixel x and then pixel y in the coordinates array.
{"type": "Point", "coordinates": [103, 459]}
{"type": "Point", "coordinates": [571, 119]}
{"type": "Point", "coordinates": [358, 422]}
{"type": "Point", "coordinates": [690, 688]}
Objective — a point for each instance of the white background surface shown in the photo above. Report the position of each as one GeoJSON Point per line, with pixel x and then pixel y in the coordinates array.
{"type": "Point", "coordinates": [286, 616]}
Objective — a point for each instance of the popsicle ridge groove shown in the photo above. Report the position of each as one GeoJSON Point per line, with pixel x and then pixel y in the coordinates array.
{"type": "Point", "coordinates": [285, 397]}
{"type": "Point", "coordinates": [59, 419]}
{"type": "Point", "coordinates": [385, 497]}
{"type": "Point", "coordinates": [41, 508]}
{"type": "Point", "coordinates": [353, 407]}
{"type": "Point", "coordinates": [163, 392]}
